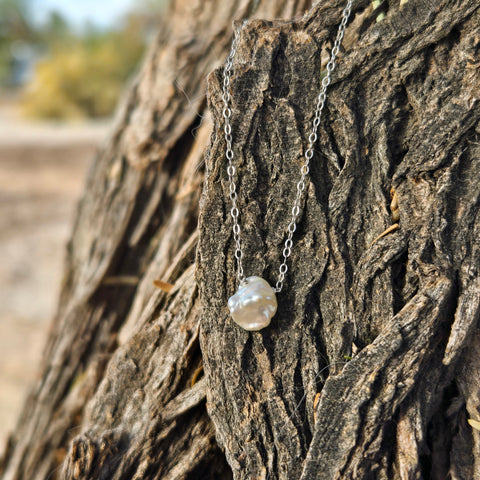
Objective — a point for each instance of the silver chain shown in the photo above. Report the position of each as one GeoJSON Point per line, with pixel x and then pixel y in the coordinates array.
{"type": "Point", "coordinates": [304, 171]}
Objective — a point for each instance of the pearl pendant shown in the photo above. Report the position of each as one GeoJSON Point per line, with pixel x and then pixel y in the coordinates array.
{"type": "Point", "coordinates": [254, 304]}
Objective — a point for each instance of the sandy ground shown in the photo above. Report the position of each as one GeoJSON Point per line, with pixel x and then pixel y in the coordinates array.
{"type": "Point", "coordinates": [42, 171]}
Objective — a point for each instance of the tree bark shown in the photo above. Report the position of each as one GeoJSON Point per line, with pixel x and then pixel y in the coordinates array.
{"type": "Point", "coordinates": [371, 367]}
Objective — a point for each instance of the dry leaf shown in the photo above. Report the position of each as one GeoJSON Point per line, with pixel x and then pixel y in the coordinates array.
{"type": "Point", "coordinates": [474, 423]}
{"type": "Point", "coordinates": [166, 287]}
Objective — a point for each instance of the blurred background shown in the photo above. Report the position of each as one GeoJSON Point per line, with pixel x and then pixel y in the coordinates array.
{"type": "Point", "coordinates": [63, 66]}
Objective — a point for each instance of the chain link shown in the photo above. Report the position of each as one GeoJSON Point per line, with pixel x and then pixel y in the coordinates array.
{"type": "Point", "coordinates": [305, 169]}
{"type": "Point", "coordinates": [227, 113]}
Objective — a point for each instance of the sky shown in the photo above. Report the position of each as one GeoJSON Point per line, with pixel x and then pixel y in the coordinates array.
{"type": "Point", "coordinates": [101, 13]}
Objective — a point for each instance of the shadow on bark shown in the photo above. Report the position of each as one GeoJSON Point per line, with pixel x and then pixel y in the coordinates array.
{"type": "Point", "coordinates": [371, 366]}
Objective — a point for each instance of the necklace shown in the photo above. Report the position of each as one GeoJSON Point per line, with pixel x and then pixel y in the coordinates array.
{"type": "Point", "coordinates": [255, 303]}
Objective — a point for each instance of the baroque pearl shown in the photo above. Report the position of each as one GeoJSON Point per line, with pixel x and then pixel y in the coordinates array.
{"type": "Point", "coordinates": [254, 304]}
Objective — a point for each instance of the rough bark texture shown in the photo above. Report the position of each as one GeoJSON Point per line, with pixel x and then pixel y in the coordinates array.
{"type": "Point", "coordinates": [401, 118]}
{"type": "Point", "coordinates": [372, 364]}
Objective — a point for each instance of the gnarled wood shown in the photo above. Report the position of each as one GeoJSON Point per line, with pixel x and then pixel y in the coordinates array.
{"type": "Point", "coordinates": [401, 116]}
{"type": "Point", "coordinates": [370, 368]}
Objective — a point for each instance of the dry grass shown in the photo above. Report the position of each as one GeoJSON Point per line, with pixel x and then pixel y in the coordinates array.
{"type": "Point", "coordinates": [42, 170]}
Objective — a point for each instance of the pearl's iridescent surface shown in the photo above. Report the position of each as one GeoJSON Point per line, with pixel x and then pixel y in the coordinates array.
{"type": "Point", "coordinates": [254, 304]}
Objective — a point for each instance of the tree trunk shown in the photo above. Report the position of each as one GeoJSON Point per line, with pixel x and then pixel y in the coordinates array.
{"type": "Point", "coordinates": [371, 366]}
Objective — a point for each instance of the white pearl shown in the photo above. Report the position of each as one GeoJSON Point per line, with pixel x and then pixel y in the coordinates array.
{"type": "Point", "coordinates": [254, 304]}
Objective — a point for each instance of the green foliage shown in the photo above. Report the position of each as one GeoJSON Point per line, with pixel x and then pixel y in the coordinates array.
{"type": "Point", "coordinates": [15, 27]}
{"type": "Point", "coordinates": [83, 77]}
{"type": "Point", "coordinates": [78, 73]}
{"type": "Point", "coordinates": [14, 20]}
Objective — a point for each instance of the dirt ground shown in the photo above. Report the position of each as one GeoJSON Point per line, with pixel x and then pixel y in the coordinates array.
{"type": "Point", "coordinates": [42, 171]}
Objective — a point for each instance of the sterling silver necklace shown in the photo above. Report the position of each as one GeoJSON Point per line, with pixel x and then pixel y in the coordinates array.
{"type": "Point", "coordinates": [255, 303]}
